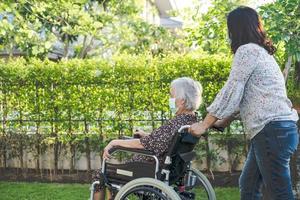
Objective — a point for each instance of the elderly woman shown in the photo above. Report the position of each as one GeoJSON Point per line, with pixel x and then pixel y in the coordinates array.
{"type": "Point", "coordinates": [184, 101]}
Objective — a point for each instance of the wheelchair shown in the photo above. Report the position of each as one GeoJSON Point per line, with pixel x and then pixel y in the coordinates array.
{"type": "Point", "coordinates": [175, 180]}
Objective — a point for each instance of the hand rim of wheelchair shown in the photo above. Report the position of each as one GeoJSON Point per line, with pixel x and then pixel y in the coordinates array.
{"type": "Point", "coordinates": [165, 189]}
{"type": "Point", "coordinates": [144, 191]}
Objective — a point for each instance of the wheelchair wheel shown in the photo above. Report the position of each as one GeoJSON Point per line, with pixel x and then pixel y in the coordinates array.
{"type": "Point", "coordinates": [197, 187]}
{"type": "Point", "coordinates": [146, 189]}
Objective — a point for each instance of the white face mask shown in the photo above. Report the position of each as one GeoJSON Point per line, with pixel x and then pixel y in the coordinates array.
{"type": "Point", "coordinates": [172, 105]}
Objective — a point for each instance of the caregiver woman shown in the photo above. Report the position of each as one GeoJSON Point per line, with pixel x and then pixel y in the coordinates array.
{"type": "Point", "coordinates": [256, 89]}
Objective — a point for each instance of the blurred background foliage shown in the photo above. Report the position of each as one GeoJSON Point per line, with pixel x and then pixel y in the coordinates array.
{"type": "Point", "coordinates": [114, 68]}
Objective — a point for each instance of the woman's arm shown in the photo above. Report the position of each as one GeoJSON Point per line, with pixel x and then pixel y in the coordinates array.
{"type": "Point", "coordinates": [223, 123]}
{"type": "Point", "coordinates": [200, 128]}
{"type": "Point", "coordinates": [197, 129]}
{"type": "Point", "coordinates": [133, 143]}
{"type": "Point", "coordinates": [227, 102]}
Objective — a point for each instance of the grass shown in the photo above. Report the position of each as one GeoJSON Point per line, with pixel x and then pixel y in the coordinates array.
{"type": "Point", "coordinates": [54, 191]}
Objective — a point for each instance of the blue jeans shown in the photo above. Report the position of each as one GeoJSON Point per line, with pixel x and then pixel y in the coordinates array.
{"type": "Point", "coordinates": [267, 162]}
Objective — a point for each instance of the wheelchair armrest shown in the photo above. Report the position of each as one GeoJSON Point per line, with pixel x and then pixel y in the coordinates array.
{"type": "Point", "coordinates": [131, 150]}
{"type": "Point", "coordinates": [135, 136]}
{"type": "Point", "coordinates": [125, 137]}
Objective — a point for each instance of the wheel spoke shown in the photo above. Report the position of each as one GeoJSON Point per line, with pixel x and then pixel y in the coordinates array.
{"type": "Point", "coordinates": [144, 193]}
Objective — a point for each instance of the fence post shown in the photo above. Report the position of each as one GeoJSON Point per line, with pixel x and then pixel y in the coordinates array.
{"type": "Point", "coordinates": [87, 146]}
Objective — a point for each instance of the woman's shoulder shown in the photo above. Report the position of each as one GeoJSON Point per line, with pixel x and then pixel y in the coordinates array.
{"type": "Point", "coordinates": [250, 50]}
{"type": "Point", "coordinates": [249, 47]}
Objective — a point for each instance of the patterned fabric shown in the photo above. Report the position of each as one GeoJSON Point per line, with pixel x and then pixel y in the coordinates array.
{"type": "Point", "coordinates": [160, 139]}
{"type": "Point", "coordinates": [256, 89]}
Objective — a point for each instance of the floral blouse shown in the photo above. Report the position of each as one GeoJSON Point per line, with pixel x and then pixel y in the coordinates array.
{"type": "Point", "coordinates": [160, 139]}
{"type": "Point", "coordinates": [256, 89]}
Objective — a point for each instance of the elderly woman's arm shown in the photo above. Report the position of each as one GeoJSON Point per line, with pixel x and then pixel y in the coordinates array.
{"type": "Point", "coordinates": [133, 143]}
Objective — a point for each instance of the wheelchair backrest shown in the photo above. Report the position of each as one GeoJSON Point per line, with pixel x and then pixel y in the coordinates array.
{"type": "Point", "coordinates": [180, 153]}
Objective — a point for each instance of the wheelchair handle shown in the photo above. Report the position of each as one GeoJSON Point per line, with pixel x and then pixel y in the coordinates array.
{"type": "Point", "coordinates": [216, 128]}
{"type": "Point", "coordinates": [183, 128]}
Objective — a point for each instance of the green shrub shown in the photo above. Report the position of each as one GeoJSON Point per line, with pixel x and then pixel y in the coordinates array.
{"type": "Point", "coordinates": [84, 103]}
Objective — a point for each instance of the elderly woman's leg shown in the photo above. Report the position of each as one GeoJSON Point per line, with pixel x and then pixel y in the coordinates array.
{"type": "Point", "coordinates": [99, 190]}
{"type": "Point", "coordinates": [99, 195]}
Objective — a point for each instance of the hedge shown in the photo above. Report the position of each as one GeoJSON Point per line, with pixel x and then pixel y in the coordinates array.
{"type": "Point", "coordinates": [82, 104]}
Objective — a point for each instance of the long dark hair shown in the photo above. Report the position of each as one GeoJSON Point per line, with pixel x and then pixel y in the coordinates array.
{"type": "Point", "coordinates": [245, 26]}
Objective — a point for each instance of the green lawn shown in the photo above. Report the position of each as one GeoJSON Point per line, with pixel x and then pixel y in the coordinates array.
{"type": "Point", "coordinates": [48, 191]}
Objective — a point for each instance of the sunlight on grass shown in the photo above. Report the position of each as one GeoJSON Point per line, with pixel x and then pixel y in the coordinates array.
{"type": "Point", "coordinates": [54, 191]}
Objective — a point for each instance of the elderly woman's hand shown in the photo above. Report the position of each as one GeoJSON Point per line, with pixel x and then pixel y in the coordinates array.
{"type": "Point", "coordinates": [110, 145]}
{"type": "Point", "coordinates": [197, 129]}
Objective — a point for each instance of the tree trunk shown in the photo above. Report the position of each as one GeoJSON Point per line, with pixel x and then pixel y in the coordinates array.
{"type": "Point", "coordinates": [81, 53]}
{"type": "Point", "coordinates": [4, 111]}
{"type": "Point", "coordinates": [229, 151]}
{"type": "Point", "coordinates": [56, 144]}
{"type": "Point", "coordinates": [208, 157]}
{"type": "Point", "coordinates": [85, 47]}
{"type": "Point", "coordinates": [21, 144]}
{"type": "Point", "coordinates": [66, 47]}
{"type": "Point", "coordinates": [38, 136]}
{"type": "Point", "coordinates": [287, 68]}
{"type": "Point", "coordinates": [72, 145]}
{"type": "Point", "coordinates": [56, 155]}
{"type": "Point", "coordinates": [21, 154]}
{"type": "Point", "coordinates": [87, 147]}
{"type": "Point", "coordinates": [72, 160]}
{"type": "Point", "coordinates": [297, 74]}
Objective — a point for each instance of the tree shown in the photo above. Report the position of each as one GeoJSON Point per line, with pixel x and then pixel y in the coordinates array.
{"type": "Point", "coordinates": [64, 23]}
{"type": "Point", "coordinates": [210, 32]}
{"type": "Point", "coordinates": [78, 28]}
{"type": "Point", "coordinates": [16, 32]}
{"type": "Point", "coordinates": [283, 24]}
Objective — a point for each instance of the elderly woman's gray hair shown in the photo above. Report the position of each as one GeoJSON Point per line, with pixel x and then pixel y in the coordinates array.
{"type": "Point", "coordinates": [189, 90]}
